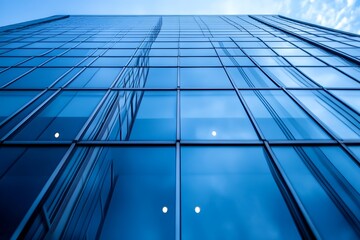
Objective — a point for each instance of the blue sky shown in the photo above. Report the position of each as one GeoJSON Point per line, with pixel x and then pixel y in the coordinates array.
{"type": "Point", "coordinates": [340, 14]}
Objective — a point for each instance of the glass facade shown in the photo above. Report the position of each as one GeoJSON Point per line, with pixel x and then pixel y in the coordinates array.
{"type": "Point", "coordinates": [179, 127]}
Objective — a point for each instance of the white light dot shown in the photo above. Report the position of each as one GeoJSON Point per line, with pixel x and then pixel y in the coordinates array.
{"type": "Point", "coordinates": [197, 209]}
{"type": "Point", "coordinates": [213, 133]}
{"type": "Point", "coordinates": [164, 209]}
{"type": "Point", "coordinates": [56, 135]}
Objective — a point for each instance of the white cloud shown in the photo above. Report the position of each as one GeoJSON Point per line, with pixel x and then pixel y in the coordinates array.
{"type": "Point", "coordinates": [339, 14]}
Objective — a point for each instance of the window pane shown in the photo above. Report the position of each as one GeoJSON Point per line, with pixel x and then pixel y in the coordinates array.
{"type": "Point", "coordinates": [11, 61]}
{"type": "Point", "coordinates": [145, 183]}
{"type": "Point", "coordinates": [204, 78]}
{"type": "Point", "coordinates": [110, 62]}
{"type": "Point", "coordinates": [62, 119]}
{"type": "Point", "coordinates": [236, 194]}
{"type": "Point", "coordinates": [249, 77]}
{"type": "Point", "coordinates": [350, 97]}
{"type": "Point", "coordinates": [288, 77]}
{"type": "Point", "coordinates": [304, 61]}
{"type": "Point", "coordinates": [236, 61]}
{"type": "Point", "coordinates": [325, 215]}
{"type": "Point", "coordinates": [39, 78]}
{"type": "Point", "coordinates": [291, 52]}
{"type": "Point", "coordinates": [270, 61]}
{"type": "Point", "coordinates": [24, 172]}
{"type": "Point", "coordinates": [156, 117]}
{"type": "Point", "coordinates": [12, 101]}
{"type": "Point", "coordinates": [280, 118]}
{"type": "Point", "coordinates": [200, 61]}
{"type": "Point", "coordinates": [210, 115]}
{"type": "Point", "coordinates": [11, 74]}
{"type": "Point", "coordinates": [341, 120]}
{"type": "Point", "coordinates": [329, 77]}
{"type": "Point", "coordinates": [95, 77]}
{"type": "Point", "coordinates": [161, 78]}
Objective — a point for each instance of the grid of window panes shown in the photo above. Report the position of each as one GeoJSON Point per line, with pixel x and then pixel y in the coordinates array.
{"type": "Point", "coordinates": [179, 127]}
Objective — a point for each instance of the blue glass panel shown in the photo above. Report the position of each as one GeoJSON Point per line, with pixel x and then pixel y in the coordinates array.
{"type": "Point", "coordinates": [110, 61]}
{"type": "Point", "coordinates": [163, 52]}
{"type": "Point", "coordinates": [197, 52]}
{"type": "Point", "coordinates": [145, 184]}
{"type": "Point", "coordinates": [64, 62]}
{"type": "Point", "coordinates": [153, 122]}
{"type": "Point", "coordinates": [247, 77]}
{"type": "Point", "coordinates": [13, 101]}
{"type": "Point", "coordinates": [120, 52]}
{"type": "Point", "coordinates": [355, 150]}
{"type": "Point", "coordinates": [304, 61]}
{"type": "Point", "coordinates": [39, 78]}
{"type": "Point", "coordinates": [25, 52]}
{"type": "Point", "coordinates": [200, 61]}
{"type": "Point", "coordinates": [11, 74]}
{"type": "Point", "coordinates": [259, 52]}
{"type": "Point", "coordinates": [155, 61]}
{"type": "Point", "coordinates": [352, 71]}
{"type": "Point", "coordinates": [95, 78]}
{"type": "Point", "coordinates": [336, 61]}
{"type": "Point", "coordinates": [280, 118]}
{"type": "Point", "coordinates": [350, 97]}
{"type": "Point", "coordinates": [337, 117]}
{"type": "Point", "coordinates": [229, 51]}
{"type": "Point", "coordinates": [288, 77]}
{"type": "Point", "coordinates": [11, 61]}
{"type": "Point", "coordinates": [23, 171]}
{"type": "Point", "coordinates": [204, 78]}
{"type": "Point", "coordinates": [34, 62]}
{"type": "Point", "coordinates": [61, 119]}
{"type": "Point", "coordinates": [329, 77]}
{"type": "Point", "coordinates": [236, 61]}
{"type": "Point", "coordinates": [161, 78]}
{"type": "Point", "coordinates": [290, 52]}
{"type": "Point", "coordinates": [214, 115]}
{"type": "Point", "coordinates": [324, 213]}
{"type": "Point", "coordinates": [236, 194]}
{"type": "Point", "coordinates": [270, 61]}
{"type": "Point", "coordinates": [79, 52]}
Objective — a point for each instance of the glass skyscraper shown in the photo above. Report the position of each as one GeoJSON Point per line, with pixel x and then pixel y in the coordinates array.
{"type": "Point", "coordinates": [179, 127]}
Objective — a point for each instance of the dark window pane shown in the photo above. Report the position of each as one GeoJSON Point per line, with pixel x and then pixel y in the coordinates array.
{"type": "Point", "coordinates": [12, 101]}
{"type": "Point", "coordinates": [24, 172]}
{"type": "Point", "coordinates": [300, 165]}
{"type": "Point", "coordinates": [62, 119]}
{"type": "Point", "coordinates": [149, 175]}
{"type": "Point", "coordinates": [235, 193]}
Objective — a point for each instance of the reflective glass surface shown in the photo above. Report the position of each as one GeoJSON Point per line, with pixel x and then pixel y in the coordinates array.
{"type": "Point", "coordinates": [231, 190]}
{"type": "Point", "coordinates": [209, 115]}
{"type": "Point", "coordinates": [61, 119]}
{"type": "Point", "coordinates": [280, 118]}
{"type": "Point", "coordinates": [178, 127]}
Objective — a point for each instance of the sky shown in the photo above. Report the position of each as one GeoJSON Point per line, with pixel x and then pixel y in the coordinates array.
{"type": "Point", "coordinates": [339, 14]}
